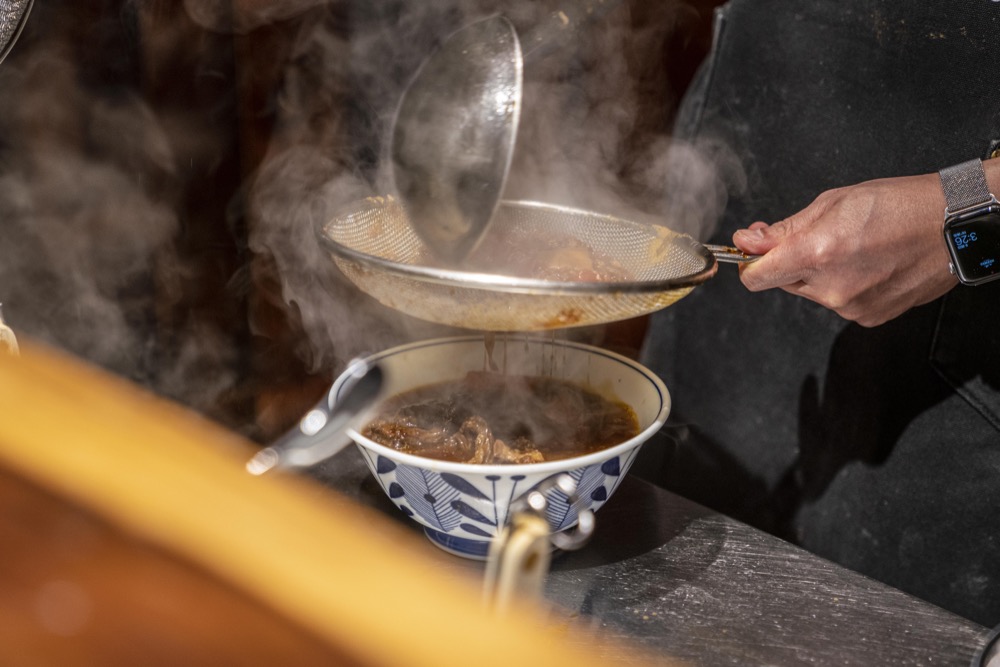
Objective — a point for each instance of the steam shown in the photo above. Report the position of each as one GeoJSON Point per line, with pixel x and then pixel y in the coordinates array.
{"type": "Point", "coordinates": [92, 175]}
{"type": "Point", "coordinates": [243, 16]}
{"type": "Point", "coordinates": [326, 155]}
{"type": "Point", "coordinates": [89, 192]}
{"type": "Point", "coordinates": [585, 140]}
{"type": "Point", "coordinates": [596, 134]}
{"type": "Point", "coordinates": [79, 232]}
{"type": "Point", "coordinates": [698, 180]}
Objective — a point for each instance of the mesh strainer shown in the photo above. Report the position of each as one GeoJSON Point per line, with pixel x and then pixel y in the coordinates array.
{"type": "Point", "coordinates": [651, 267]}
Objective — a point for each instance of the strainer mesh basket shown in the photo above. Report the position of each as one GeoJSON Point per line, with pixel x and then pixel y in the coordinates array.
{"type": "Point", "coordinates": [650, 267]}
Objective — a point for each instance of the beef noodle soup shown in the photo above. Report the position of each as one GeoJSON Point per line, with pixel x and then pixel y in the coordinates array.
{"type": "Point", "coordinates": [494, 418]}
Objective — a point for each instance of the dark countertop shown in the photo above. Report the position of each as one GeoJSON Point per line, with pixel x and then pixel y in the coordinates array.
{"type": "Point", "coordinates": [682, 581]}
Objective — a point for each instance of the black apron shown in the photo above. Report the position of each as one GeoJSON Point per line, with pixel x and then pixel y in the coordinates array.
{"type": "Point", "coordinates": [876, 448]}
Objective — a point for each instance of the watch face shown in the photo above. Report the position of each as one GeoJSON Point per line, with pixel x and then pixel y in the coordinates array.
{"type": "Point", "coordinates": [975, 246]}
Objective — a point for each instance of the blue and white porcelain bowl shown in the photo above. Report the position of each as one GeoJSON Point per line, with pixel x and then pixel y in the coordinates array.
{"type": "Point", "coordinates": [463, 505]}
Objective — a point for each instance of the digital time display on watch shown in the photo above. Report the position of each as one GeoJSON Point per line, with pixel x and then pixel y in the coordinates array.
{"type": "Point", "coordinates": [975, 246]}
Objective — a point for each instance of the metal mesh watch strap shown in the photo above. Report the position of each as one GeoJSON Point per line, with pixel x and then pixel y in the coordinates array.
{"type": "Point", "coordinates": [964, 186]}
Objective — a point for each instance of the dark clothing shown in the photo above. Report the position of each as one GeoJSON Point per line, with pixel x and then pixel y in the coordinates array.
{"type": "Point", "coordinates": [876, 448]}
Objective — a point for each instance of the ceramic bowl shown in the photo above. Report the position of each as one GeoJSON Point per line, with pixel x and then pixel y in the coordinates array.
{"type": "Point", "coordinates": [463, 505]}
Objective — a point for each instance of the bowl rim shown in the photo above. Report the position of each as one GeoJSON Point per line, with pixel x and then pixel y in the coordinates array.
{"type": "Point", "coordinates": [545, 467]}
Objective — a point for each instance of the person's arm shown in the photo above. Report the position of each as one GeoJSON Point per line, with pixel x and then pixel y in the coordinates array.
{"type": "Point", "coordinates": [869, 252]}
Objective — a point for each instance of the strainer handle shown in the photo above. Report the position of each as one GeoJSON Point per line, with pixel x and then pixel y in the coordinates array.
{"type": "Point", "coordinates": [730, 255]}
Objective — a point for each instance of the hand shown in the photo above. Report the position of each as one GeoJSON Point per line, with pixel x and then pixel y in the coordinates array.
{"type": "Point", "coordinates": [869, 252]}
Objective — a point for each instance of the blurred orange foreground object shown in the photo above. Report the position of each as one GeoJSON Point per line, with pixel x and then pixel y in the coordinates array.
{"type": "Point", "coordinates": [152, 542]}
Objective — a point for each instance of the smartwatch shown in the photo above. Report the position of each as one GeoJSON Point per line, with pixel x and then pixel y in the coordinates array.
{"type": "Point", "coordinates": [971, 223]}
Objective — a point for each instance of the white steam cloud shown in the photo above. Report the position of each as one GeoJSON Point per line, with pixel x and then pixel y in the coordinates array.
{"type": "Point", "coordinates": [91, 185]}
{"type": "Point", "coordinates": [79, 233]}
{"type": "Point", "coordinates": [91, 178]}
{"type": "Point", "coordinates": [590, 137]}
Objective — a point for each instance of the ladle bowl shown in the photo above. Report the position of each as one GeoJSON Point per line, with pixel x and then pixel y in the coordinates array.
{"type": "Point", "coordinates": [453, 136]}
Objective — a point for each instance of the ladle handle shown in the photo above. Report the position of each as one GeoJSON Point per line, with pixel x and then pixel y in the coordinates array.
{"type": "Point", "coordinates": [321, 432]}
{"type": "Point", "coordinates": [729, 255]}
{"type": "Point", "coordinates": [8, 341]}
{"type": "Point", "coordinates": [556, 29]}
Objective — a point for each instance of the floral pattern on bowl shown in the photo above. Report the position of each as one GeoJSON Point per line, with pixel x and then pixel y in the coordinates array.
{"type": "Point", "coordinates": [462, 506]}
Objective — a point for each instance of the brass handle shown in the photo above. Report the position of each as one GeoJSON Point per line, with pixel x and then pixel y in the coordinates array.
{"type": "Point", "coordinates": [519, 556]}
{"type": "Point", "coordinates": [730, 255]}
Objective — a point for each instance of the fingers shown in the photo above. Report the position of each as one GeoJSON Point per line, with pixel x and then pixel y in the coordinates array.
{"type": "Point", "coordinates": [781, 263]}
{"type": "Point", "coordinates": [858, 310]}
{"type": "Point", "coordinates": [778, 265]}
{"type": "Point", "coordinates": [770, 271]}
{"type": "Point", "coordinates": [867, 309]}
{"type": "Point", "coordinates": [756, 239]}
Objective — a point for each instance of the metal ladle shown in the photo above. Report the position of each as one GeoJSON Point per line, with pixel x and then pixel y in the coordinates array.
{"type": "Point", "coordinates": [321, 433]}
{"type": "Point", "coordinates": [455, 129]}
{"type": "Point", "coordinates": [454, 132]}
{"type": "Point", "coordinates": [453, 136]}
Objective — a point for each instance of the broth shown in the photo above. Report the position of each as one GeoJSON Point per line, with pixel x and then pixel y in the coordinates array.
{"type": "Point", "coordinates": [550, 256]}
{"type": "Point", "coordinates": [493, 418]}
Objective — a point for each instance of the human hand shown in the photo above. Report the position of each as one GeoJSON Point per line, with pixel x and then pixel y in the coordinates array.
{"type": "Point", "coordinates": [869, 252]}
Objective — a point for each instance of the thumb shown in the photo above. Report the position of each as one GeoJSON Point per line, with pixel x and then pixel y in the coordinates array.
{"type": "Point", "coordinates": [760, 237]}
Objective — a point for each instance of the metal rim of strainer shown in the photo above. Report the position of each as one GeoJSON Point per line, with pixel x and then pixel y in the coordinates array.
{"type": "Point", "coordinates": [13, 17]}
{"type": "Point", "coordinates": [514, 284]}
